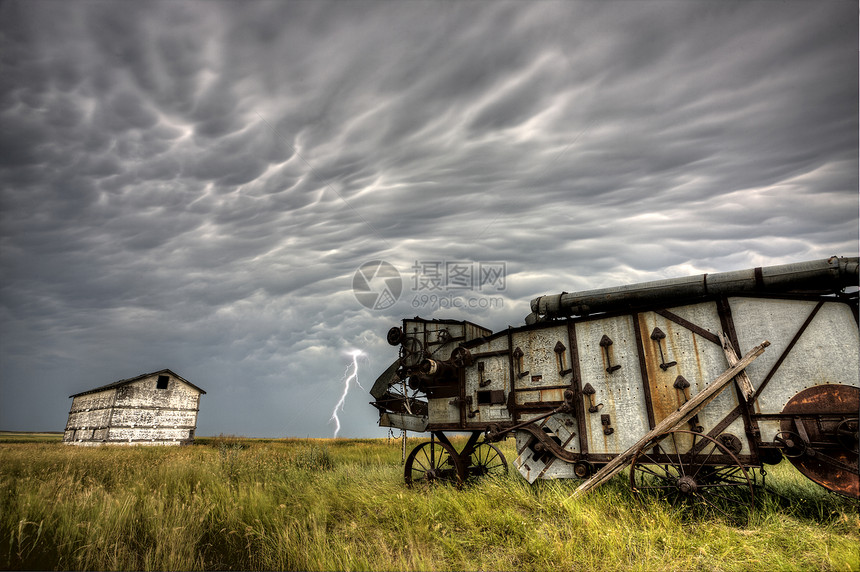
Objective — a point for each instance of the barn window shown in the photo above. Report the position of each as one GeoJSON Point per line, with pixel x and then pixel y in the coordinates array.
{"type": "Point", "coordinates": [162, 382]}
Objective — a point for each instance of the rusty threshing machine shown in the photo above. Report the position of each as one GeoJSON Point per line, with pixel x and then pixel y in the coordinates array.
{"type": "Point", "coordinates": [691, 382]}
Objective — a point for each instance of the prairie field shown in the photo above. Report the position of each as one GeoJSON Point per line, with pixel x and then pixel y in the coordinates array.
{"type": "Point", "coordinates": [305, 504]}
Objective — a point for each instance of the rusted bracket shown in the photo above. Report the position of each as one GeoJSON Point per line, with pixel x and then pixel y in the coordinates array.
{"type": "Point", "coordinates": [683, 387]}
{"type": "Point", "coordinates": [561, 359]}
{"type": "Point", "coordinates": [658, 336]}
{"type": "Point", "coordinates": [589, 393]}
{"type": "Point", "coordinates": [607, 424]}
{"type": "Point", "coordinates": [545, 444]}
{"type": "Point", "coordinates": [605, 342]}
{"type": "Point", "coordinates": [518, 363]}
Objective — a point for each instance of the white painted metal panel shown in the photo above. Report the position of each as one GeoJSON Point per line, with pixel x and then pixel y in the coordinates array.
{"type": "Point", "coordinates": [621, 392]}
{"type": "Point", "coordinates": [441, 410]}
{"type": "Point", "coordinates": [539, 357]}
{"type": "Point", "coordinates": [827, 352]}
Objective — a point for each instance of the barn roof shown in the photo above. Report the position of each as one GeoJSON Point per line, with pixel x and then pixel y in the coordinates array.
{"type": "Point", "coordinates": [141, 376]}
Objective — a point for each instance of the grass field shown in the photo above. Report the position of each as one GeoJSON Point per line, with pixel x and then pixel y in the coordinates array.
{"type": "Point", "coordinates": [24, 437]}
{"type": "Point", "coordinates": [228, 503]}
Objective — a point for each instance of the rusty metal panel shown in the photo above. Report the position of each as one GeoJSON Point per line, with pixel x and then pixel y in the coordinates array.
{"type": "Point", "coordinates": [827, 352]}
{"type": "Point", "coordinates": [680, 364]}
{"type": "Point", "coordinates": [612, 370]}
{"type": "Point", "coordinates": [440, 338]}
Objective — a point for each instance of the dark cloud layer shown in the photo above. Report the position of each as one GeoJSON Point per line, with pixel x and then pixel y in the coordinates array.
{"type": "Point", "coordinates": [192, 184]}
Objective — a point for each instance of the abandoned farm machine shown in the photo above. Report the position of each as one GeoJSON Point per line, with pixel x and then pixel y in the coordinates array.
{"type": "Point", "coordinates": [691, 382]}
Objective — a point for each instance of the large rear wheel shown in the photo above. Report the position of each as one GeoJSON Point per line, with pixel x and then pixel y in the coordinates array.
{"type": "Point", "coordinates": [694, 473]}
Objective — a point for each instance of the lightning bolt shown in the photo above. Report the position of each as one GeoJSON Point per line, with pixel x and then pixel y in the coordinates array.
{"type": "Point", "coordinates": [347, 377]}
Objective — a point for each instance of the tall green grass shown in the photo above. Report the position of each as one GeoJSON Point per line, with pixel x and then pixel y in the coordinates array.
{"type": "Point", "coordinates": [341, 505]}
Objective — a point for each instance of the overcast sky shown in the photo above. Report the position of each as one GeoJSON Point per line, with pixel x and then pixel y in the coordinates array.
{"type": "Point", "coordinates": [193, 185]}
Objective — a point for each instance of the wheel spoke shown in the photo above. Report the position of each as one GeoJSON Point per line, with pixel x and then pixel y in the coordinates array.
{"type": "Point", "coordinates": [423, 466]}
{"type": "Point", "coordinates": [651, 459]}
{"type": "Point", "coordinates": [704, 462]}
{"type": "Point", "coordinates": [647, 469]}
{"type": "Point", "coordinates": [486, 459]}
{"type": "Point", "coordinates": [678, 454]}
{"type": "Point", "coordinates": [734, 473]}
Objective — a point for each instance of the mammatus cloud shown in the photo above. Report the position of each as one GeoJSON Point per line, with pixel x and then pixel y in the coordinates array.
{"type": "Point", "coordinates": [193, 185]}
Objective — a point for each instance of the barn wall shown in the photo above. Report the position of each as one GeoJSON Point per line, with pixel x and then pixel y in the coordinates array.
{"type": "Point", "coordinates": [135, 413]}
{"type": "Point", "coordinates": [89, 416]}
{"type": "Point", "coordinates": [143, 393]}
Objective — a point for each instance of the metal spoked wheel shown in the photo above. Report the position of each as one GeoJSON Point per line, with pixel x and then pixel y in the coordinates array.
{"type": "Point", "coordinates": [487, 461]}
{"type": "Point", "coordinates": [705, 480]}
{"type": "Point", "coordinates": [433, 463]}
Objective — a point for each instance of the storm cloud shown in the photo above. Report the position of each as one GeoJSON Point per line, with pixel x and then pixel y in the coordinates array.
{"type": "Point", "coordinates": [192, 185]}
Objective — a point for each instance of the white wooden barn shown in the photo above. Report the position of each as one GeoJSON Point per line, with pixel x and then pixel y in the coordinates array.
{"type": "Point", "coordinates": [158, 408]}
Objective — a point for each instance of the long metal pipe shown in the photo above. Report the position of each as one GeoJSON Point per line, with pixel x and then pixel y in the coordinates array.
{"type": "Point", "coordinates": [820, 276]}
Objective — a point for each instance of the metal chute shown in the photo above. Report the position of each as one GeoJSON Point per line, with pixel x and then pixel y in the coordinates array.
{"type": "Point", "coordinates": [384, 381]}
{"type": "Point", "coordinates": [396, 408]}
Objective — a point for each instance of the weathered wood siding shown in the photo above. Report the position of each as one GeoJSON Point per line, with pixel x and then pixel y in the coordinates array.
{"type": "Point", "coordinates": [137, 412]}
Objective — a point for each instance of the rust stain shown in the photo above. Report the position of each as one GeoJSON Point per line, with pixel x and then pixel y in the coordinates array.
{"type": "Point", "coordinates": [663, 399]}
{"type": "Point", "coordinates": [552, 395]}
{"type": "Point", "coordinates": [696, 354]}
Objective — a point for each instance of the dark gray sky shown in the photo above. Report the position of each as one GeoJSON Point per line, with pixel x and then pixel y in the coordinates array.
{"type": "Point", "coordinates": [192, 185]}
